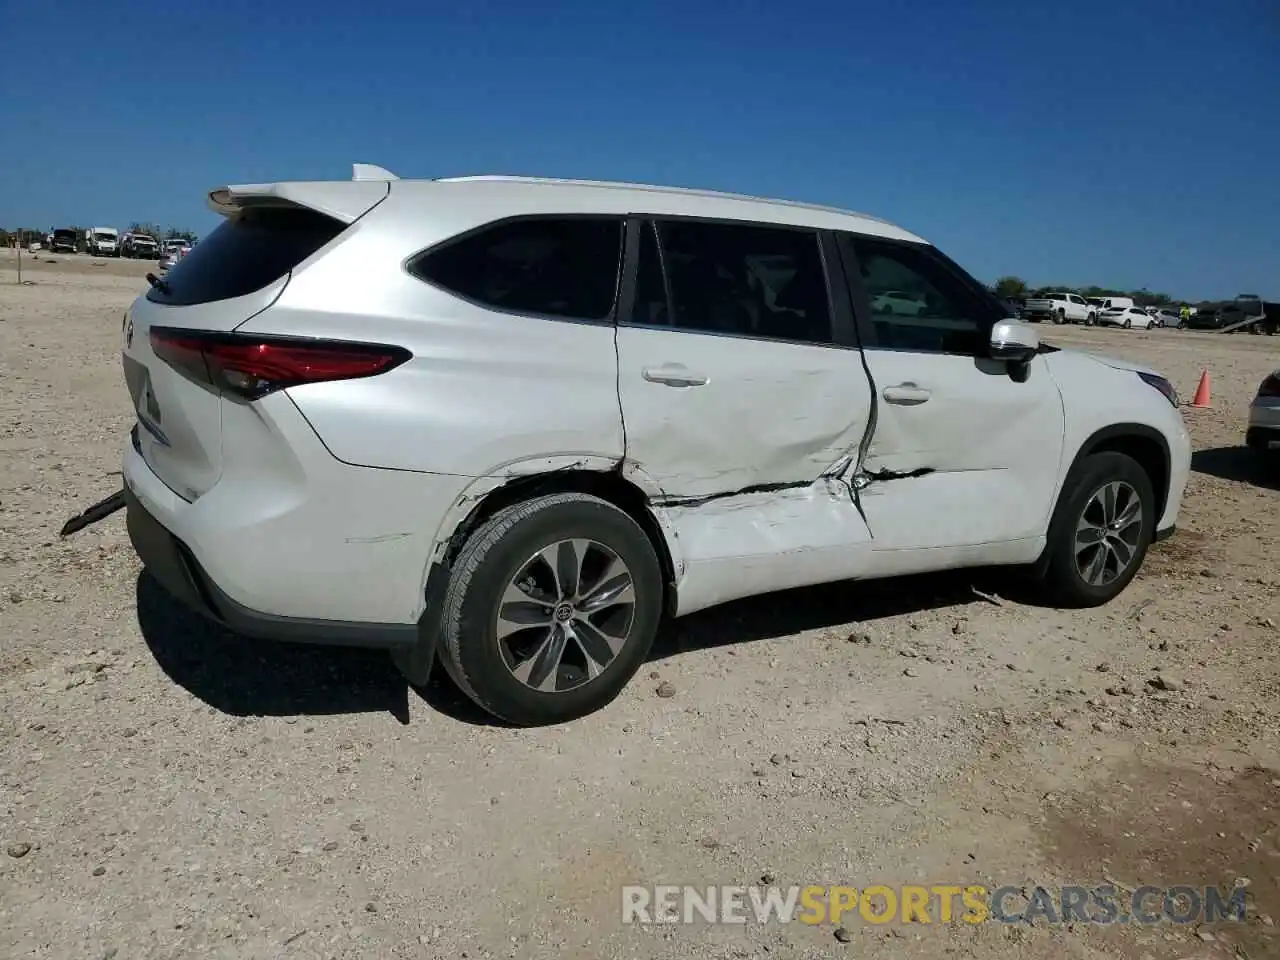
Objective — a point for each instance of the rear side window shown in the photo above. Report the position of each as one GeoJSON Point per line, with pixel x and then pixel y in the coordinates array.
{"type": "Point", "coordinates": [550, 266]}
{"type": "Point", "coordinates": [733, 278]}
{"type": "Point", "coordinates": [248, 251]}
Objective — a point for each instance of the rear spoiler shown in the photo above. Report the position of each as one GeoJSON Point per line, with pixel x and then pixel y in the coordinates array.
{"type": "Point", "coordinates": [344, 200]}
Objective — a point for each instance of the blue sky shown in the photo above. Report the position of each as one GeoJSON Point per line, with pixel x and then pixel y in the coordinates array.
{"type": "Point", "coordinates": [1124, 144]}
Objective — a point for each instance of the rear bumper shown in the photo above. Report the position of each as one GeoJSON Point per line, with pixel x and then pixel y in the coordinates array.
{"type": "Point", "coordinates": [174, 567]}
{"type": "Point", "coordinates": [1263, 437]}
{"type": "Point", "coordinates": [290, 542]}
{"type": "Point", "coordinates": [1264, 414]}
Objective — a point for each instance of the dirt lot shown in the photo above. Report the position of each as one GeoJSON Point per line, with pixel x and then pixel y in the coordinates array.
{"type": "Point", "coordinates": [168, 790]}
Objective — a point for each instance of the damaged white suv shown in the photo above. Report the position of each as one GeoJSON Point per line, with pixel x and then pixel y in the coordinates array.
{"type": "Point", "coordinates": [512, 423]}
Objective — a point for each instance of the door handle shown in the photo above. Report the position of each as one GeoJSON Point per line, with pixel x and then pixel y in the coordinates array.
{"type": "Point", "coordinates": [907, 394]}
{"type": "Point", "coordinates": [674, 375]}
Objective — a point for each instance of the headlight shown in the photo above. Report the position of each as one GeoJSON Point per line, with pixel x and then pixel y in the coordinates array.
{"type": "Point", "coordinates": [1163, 385]}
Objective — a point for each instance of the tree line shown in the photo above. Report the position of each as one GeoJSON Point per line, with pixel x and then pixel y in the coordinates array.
{"type": "Point", "coordinates": [1015, 288]}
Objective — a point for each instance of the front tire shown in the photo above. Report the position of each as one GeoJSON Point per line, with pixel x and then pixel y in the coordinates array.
{"type": "Point", "coordinates": [551, 609]}
{"type": "Point", "coordinates": [1101, 529]}
{"type": "Point", "coordinates": [1128, 324]}
{"type": "Point", "coordinates": [1090, 320]}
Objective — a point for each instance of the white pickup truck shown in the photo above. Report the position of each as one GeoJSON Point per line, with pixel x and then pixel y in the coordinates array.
{"type": "Point", "coordinates": [1060, 308]}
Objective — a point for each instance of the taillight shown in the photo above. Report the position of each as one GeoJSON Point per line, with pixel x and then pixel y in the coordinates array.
{"type": "Point", "coordinates": [250, 366]}
{"type": "Point", "coordinates": [1270, 386]}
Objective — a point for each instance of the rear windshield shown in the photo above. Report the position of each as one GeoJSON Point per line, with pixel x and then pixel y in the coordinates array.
{"type": "Point", "coordinates": [245, 253]}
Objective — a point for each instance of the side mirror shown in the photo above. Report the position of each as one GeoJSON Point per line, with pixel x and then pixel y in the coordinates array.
{"type": "Point", "coordinates": [1014, 341]}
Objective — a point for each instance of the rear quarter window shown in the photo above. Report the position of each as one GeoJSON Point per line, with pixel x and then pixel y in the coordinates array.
{"type": "Point", "coordinates": [564, 267]}
{"type": "Point", "coordinates": [247, 252]}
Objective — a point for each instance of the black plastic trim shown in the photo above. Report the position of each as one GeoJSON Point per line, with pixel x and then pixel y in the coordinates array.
{"type": "Point", "coordinates": [1261, 437]}
{"type": "Point", "coordinates": [1115, 430]}
{"type": "Point", "coordinates": [844, 321]}
{"type": "Point", "coordinates": [174, 567]}
{"type": "Point", "coordinates": [1165, 534]}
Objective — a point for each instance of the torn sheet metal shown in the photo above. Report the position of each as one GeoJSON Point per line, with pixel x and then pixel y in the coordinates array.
{"type": "Point", "coordinates": [755, 415]}
{"type": "Point", "coordinates": [758, 541]}
{"type": "Point", "coordinates": [862, 479]}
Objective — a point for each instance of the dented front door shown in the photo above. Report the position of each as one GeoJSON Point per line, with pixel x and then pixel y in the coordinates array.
{"type": "Point", "coordinates": [975, 462]}
{"type": "Point", "coordinates": [730, 374]}
{"type": "Point", "coordinates": [963, 452]}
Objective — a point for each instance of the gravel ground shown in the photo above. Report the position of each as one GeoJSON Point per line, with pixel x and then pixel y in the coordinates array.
{"type": "Point", "coordinates": [170, 790]}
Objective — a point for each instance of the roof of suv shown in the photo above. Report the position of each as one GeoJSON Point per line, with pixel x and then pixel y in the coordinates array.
{"type": "Point", "coordinates": [573, 196]}
{"type": "Point", "coordinates": [495, 197]}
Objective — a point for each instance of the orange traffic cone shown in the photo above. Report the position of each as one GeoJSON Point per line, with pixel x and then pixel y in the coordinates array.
{"type": "Point", "coordinates": [1201, 399]}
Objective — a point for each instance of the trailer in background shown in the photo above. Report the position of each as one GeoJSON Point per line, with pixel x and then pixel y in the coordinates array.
{"type": "Point", "coordinates": [1249, 312]}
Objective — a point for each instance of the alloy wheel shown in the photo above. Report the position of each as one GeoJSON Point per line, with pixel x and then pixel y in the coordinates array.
{"type": "Point", "coordinates": [565, 615]}
{"type": "Point", "coordinates": [1108, 533]}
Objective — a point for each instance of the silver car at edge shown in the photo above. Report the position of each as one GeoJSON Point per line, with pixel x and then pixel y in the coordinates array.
{"type": "Point", "coordinates": [1263, 433]}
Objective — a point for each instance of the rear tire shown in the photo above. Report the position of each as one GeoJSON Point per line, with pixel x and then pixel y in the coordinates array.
{"type": "Point", "coordinates": [1097, 542]}
{"type": "Point", "coordinates": [551, 609]}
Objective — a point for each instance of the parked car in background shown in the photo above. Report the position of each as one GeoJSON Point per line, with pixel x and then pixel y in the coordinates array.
{"type": "Point", "coordinates": [1127, 317]}
{"type": "Point", "coordinates": [1059, 308]}
{"type": "Point", "coordinates": [140, 246]}
{"type": "Point", "coordinates": [895, 301]}
{"type": "Point", "coordinates": [1110, 302]}
{"type": "Point", "coordinates": [175, 244]}
{"type": "Point", "coordinates": [1205, 317]}
{"type": "Point", "coordinates": [1263, 433]}
{"type": "Point", "coordinates": [1165, 316]}
{"type": "Point", "coordinates": [1013, 306]}
{"type": "Point", "coordinates": [391, 413]}
{"type": "Point", "coordinates": [172, 257]}
{"type": "Point", "coordinates": [63, 241]}
{"type": "Point", "coordinates": [103, 241]}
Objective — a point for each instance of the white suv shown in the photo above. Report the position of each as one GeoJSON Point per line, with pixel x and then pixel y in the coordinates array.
{"type": "Point", "coordinates": [515, 422]}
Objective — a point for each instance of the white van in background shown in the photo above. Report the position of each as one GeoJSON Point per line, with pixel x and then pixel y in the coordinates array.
{"type": "Point", "coordinates": [1116, 303]}
{"type": "Point", "coordinates": [103, 241]}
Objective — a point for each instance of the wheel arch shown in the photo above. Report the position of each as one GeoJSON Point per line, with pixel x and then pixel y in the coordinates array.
{"type": "Point", "coordinates": [1145, 444]}
{"type": "Point", "coordinates": [1141, 441]}
{"type": "Point", "coordinates": [609, 485]}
